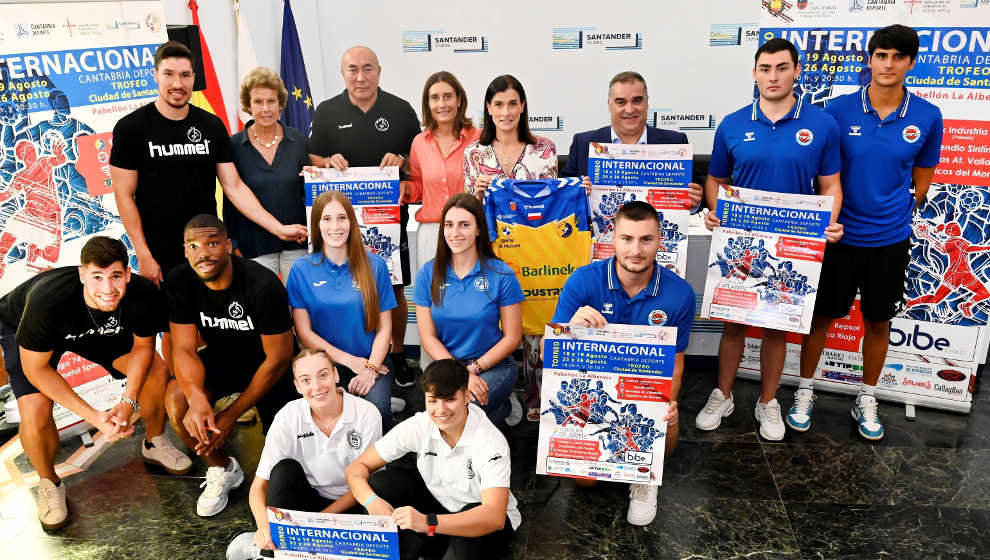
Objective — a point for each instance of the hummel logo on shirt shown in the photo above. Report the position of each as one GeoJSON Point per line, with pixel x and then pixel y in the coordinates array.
{"type": "Point", "coordinates": [750, 136]}
{"type": "Point", "coordinates": [430, 454]}
{"type": "Point", "coordinates": [318, 284]}
{"type": "Point", "coordinates": [348, 125]}
{"type": "Point", "coordinates": [306, 435]}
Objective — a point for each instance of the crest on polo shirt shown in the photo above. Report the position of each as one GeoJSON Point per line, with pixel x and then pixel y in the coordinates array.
{"type": "Point", "coordinates": [911, 134]}
{"type": "Point", "coordinates": [469, 469]}
{"type": "Point", "coordinates": [481, 284]}
{"type": "Point", "coordinates": [193, 134]}
{"type": "Point", "coordinates": [658, 317]}
{"type": "Point", "coordinates": [381, 124]}
{"type": "Point", "coordinates": [355, 285]}
{"type": "Point", "coordinates": [354, 439]}
{"type": "Point", "coordinates": [804, 137]}
{"type": "Point", "coordinates": [235, 310]}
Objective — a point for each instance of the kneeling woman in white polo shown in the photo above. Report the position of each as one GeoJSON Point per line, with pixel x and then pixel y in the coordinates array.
{"type": "Point", "coordinates": [309, 445]}
{"type": "Point", "coordinates": [457, 500]}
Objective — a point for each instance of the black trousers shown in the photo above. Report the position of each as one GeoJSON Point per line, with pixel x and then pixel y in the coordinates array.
{"type": "Point", "coordinates": [404, 486]}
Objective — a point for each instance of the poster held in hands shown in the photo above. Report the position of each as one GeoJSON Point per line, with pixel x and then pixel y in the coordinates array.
{"type": "Point", "coordinates": [301, 535]}
{"type": "Point", "coordinates": [766, 258]}
{"type": "Point", "coordinates": [657, 174]}
{"type": "Point", "coordinates": [605, 395]}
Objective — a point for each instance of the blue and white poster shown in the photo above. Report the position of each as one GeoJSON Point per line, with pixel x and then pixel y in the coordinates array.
{"type": "Point", "coordinates": [374, 193]}
{"type": "Point", "coordinates": [302, 535]}
{"type": "Point", "coordinates": [654, 173]}
{"type": "Point", "coordinates": [766, 258]}
{"type": "Point", "coordinates": [68, 71]}
{"type": "Point", "coordinates": [604, 397]}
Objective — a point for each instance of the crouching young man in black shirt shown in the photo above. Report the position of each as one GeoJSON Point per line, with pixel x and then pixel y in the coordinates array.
{"type": "Point", "coordinates": [104, 314]}
{"type": "Point", "coordinates": [241, 310]}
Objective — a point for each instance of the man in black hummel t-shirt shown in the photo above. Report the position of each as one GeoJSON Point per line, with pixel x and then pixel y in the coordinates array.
{"type": "Point", "coordinates": [102, 313]}
{"type": "Point", "coordinates": [165, 163]}
{"type": "Point", "coordinates": [241, 310]}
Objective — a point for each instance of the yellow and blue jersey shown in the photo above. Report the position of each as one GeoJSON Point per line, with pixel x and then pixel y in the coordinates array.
{"type": "Point", "coordinates": [540, 228]}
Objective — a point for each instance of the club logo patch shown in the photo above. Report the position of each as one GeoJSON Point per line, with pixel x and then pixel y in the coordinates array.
{"type": "Point", "coordinates": [235, 310]}
{"type": "Point", "coordinates": [354, 439]}
{"type": "Point", "coordinates": [355, 285]}
{"type": "Point", "coordinates": [911, 134]}
{"type": "Point", "coordinates": [481, 284]}
{"type": "Point", "coordinates": [381, 124]}
{"type": "Point", "coordinates": [470, 470]}
{"type": "Point", "coordinates": [658, 317]}
{"type": "Point", "coordinates": [804, 137]}
{"type": "Point", "coordinates": [193, 134]}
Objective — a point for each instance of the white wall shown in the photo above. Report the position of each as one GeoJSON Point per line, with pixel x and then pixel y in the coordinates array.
{"type": "Point", "coordinates": [684, 74]}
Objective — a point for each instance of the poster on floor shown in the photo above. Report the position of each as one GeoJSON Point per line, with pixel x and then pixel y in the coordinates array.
{"type": "Point", "coordinates": [604, 397]}
{"type": "Point", "coordinates": [655, 173]}
{"type": "Point", "coordinates": [766, 258]}
{"type": "Point", "coordinates": [301, 535]}
{"type": "Point", "coordinates": [374, 193]}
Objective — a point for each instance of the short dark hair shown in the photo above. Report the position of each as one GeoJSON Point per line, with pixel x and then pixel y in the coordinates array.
{"type": "Point", "coordinates": [900, 37]}
{"type": "Point", "coordinates": [205, 221]}
{"type": "Point", "coordinates": [103, 251]}
{"type": "Point", "coordinates": [776, 45]}
{"type": "Point", "coordinates": [637, 211]}
{"type": "Point", "coordinates": [173, 49]}
{"type": "Point", "coordinates": [502, 83]}
{"type": "Point", "coordinates": [444, 378]}
{"type": "Point", "coordinates": [627, 77]}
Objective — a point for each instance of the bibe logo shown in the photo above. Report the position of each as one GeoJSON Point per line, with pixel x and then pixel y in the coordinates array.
{"type": "Point", "coordinates": [918, 339]}
{"type": "Point", "coordinates": [638, 458]}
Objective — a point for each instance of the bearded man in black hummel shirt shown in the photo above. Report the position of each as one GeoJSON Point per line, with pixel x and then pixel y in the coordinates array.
{"type": "Point", "coordinates": [241, 310]}
{"type": "Point", "coordinates": [101, 312]}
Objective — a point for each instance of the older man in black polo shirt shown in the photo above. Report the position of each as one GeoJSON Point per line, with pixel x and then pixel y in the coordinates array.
{"type": "Point", "coordinates": [365, 126]}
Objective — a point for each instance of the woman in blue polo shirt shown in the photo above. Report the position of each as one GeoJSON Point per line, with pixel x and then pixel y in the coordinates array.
{"type": "Point", "coordinates": [341, 296]}
{"type": "Point", "coordinates": [467, 306]}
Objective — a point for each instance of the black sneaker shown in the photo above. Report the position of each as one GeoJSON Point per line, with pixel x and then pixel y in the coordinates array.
{"type": "Point", "coordinates": [405, 376]}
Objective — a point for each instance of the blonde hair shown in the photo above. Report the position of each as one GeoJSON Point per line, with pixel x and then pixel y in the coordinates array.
{"type": "Point", "coordinates": [264, 78]}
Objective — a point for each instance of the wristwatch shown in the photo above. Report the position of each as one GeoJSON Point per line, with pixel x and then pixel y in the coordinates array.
{"type": "Point", "coordinates": [134, 404]}
{"type": "Point", "coordinates": [431, 524]}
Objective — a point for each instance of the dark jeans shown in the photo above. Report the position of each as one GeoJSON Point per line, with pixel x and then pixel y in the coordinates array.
{"type": "Point", "coordinates": [404, 486]}
{"type": "Point", "coordinates": [288, 488]}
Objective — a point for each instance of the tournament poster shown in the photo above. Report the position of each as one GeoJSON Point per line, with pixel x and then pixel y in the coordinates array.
{"type": "Point", "coordinates": [766, 258]}
{"type": "Point", "coordinates": [374, 193]}
{"type": "Point", "coordinates": [604, 397]}
{"type": "Point", "coordinates": [301, 535]}
{"type": "Point", "coordinates": [655, 173]}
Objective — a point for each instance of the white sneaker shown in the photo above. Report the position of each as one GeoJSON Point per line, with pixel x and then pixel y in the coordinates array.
{"type": "Point", "coordinates": [768, 415]}
{"type": "Point", "coordinates": [397, 404]}
{"type": "Point", "coordinates": [165, 455]}
{"type": "Point", "coordinates": [53, 511]}
{"type": "Point", "coordinates": [715, 409]}
{"type": "Point", "coordinates": [516, 413]}
{"type": "Point", "coordinates": [642, 504]}
{"type": "Point", "coordinates": [867, 417]}
{"type": "Point", "coordinates": [219, 482]}
{"type": "Point", "coordinates": [243, 548]}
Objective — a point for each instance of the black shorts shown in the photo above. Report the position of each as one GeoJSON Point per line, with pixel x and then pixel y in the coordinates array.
{"type": "Point", "coordinates": [878, 273]}
{"type": "Point", "coordinates": [12, 362]}
{"type": "Point", "coordinates": [224, 377]}
{"type": "Point", "coordinates": [404, 244]}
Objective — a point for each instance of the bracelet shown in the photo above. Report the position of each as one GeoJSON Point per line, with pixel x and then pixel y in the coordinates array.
{"type": "Point", "coordinates": [483, 361]}
{"type": "Point", "coordinates": [134, 404]}
{"type": "Point", "coordinates": [370, 499]}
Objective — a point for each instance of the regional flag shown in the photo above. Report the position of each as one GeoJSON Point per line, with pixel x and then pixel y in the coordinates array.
{"type": "Point", "coordinates": [211, 98]}
{"type": "Point", "coordinates": [299, 110]}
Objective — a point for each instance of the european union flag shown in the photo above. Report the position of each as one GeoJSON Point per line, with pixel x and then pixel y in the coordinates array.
{"type": "Point", "coordinates": [299, 109]}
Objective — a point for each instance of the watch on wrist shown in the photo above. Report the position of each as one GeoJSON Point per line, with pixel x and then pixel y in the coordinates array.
{"type": "Point", "coordinates": [134, 404]}
{"type": "Point", "coordinates": [431, 524]}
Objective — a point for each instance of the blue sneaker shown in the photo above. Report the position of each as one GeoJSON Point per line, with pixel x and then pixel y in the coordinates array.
{"type": "Point", "coordinates": [864, 411]}
{"type": "Point", "coordinates": [799, 416]}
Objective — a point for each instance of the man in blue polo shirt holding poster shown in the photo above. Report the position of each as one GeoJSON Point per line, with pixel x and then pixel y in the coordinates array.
{"type": "Point", "coordinates": [631, 289]}
{"type": "Point", "coordinates": [777, 143]}
{"type": "Point", "coordinates": [890, 142]}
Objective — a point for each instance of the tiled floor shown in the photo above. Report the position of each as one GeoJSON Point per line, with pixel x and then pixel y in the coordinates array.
{"type": "Point", "coordinates": [921, 493]}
